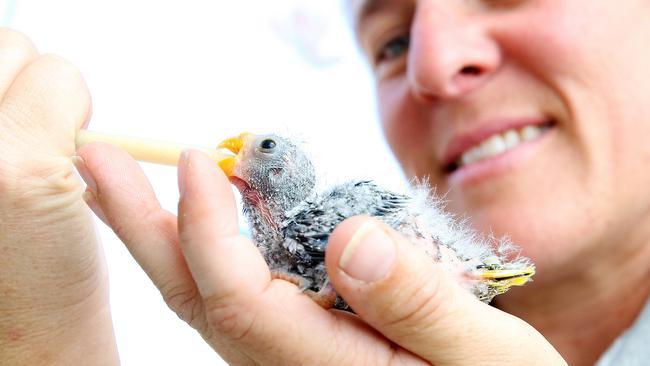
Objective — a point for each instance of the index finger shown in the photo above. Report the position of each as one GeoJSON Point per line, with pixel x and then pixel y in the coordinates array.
{"type": "Point", "coordinates": [209, 232]}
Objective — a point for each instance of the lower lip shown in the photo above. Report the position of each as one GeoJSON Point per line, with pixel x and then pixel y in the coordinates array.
{"type": "Point", "coordinates": [495, 166]}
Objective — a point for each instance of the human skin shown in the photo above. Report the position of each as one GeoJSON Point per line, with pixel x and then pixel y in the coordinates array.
{"type": "Point", "coordinates": [576, 198]}
{"type": "Point", "coordinates": [54, 305]}
{"type": "Point", "coordinates": [53, 281]}
{"type": "Point", "coordinates": [409, 310]}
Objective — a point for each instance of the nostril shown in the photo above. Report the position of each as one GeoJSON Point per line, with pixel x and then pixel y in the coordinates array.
{"type": "Point", "coordinates": [470, 70]}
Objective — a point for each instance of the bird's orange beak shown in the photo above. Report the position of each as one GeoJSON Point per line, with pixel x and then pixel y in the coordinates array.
{"type": "Point", "coordinates": [234, 145]}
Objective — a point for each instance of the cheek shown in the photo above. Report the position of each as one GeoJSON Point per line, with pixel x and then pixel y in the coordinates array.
{"type": "Point", "coordinates": [600, 70]}
{"type": "Point", "coordinates": [579, 46]}
{"type": "Point", "coordinates": [407, 127]}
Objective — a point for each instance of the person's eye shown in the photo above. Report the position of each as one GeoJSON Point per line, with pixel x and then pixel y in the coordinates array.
{"type": "Point", "coordinates": [393, 49]}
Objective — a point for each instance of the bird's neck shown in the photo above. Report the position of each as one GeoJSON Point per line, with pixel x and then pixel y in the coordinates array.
{"type": "Point", "coordinates": [265, 216]}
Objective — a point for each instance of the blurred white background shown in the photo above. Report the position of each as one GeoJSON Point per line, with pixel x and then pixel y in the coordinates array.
{"type": "Point", "coordinates": [197, 72]}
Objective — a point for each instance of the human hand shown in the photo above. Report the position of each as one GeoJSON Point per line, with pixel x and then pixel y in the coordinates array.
{"type": "Point", "coordinates": [410, 311]}
{"type": "Point", "coordinates": [53, 282]}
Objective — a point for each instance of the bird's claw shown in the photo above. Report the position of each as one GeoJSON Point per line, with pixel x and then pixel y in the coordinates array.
{"type": "Point", "coordinates": [302, 283]}
{"type": "Point", "coordinates": [325, 297]}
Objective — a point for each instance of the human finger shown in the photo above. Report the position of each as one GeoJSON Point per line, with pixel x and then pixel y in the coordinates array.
{"type": "Point", "coordinates": [209, 233]}
{"type": "Point", "coordinates": [45, 105]}
{"type": "Point", "coordinates": [16, 52]}
{"type": "Point", "coordinates": [402, 293]}
{"type": "Point", "coordinates": [120, 193]}
{"type": "Point", "coordinates": [53, 280]}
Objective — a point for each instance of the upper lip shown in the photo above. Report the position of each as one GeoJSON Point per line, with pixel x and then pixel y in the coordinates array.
{"type": "Point", "coordinates": [462, 141]}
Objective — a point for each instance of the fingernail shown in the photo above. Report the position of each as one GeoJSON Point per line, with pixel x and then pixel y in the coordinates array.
{"type": "Point", "coordinates": [91, 200]}
{"type": "Point", "coordinates": [370, 254]}
{"type": "Point", "coordinates": [82, 169]}
{"type": "Point", "coordinates": [182, 171]}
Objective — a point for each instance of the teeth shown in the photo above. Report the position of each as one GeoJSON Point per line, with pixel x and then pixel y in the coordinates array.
{"type": "Point", "coordinates": [530, 132]}
{"type": "Point", "coordinates": [470, 156]}
{"type": "Point", "coordinates": [511, 137]}
{"type": "Point", "coordinates": [499, 143]}
{"type": "Point", "coordinates": [493, 146]}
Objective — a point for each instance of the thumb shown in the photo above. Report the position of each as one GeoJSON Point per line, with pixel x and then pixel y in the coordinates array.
{"type": "Point", "coordinates": [401, 292]}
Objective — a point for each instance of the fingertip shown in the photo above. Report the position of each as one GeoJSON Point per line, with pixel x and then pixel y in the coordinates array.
{"type": "Point", "coordinates": [16, 51]}
{"type": "Point", "coordinates": [91, 201]}
{"type": "Point", "coordinates": [363, 250]}
{"type": "Point", "coordinates": [182, 172]}
{"type": "Point", "coordinates": [194, 166]}
{"type": "Point", "coordinates": [88, 159]}
{"type": "Point", "coordinates": [341, 236]}
{"type": "Point", "coordinates": [205, 194]}
{"type": "Point", "coordinates": [11, 38]}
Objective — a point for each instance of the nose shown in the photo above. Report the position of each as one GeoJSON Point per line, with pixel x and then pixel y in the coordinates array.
{"type": "Point", "coordinates": [449, 56]}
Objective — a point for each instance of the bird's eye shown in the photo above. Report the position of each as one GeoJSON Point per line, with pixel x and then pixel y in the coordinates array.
{"type": "Point", "coordinates": [267, 144]}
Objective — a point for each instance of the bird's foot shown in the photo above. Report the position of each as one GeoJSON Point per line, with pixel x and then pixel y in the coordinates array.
{"type": "Point", "coordinates": [298, 280]}
{"type": "Point", "coordinates": [499, 280]}
{"type": "Point", "coordinates": [325, 297]}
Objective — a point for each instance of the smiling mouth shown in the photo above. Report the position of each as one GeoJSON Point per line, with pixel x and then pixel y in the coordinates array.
{"type": "Point", "coordinates": [497, 144]}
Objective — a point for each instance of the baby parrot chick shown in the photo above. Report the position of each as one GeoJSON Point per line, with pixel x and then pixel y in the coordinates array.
{"type": "Point", "coordinates": [291, 221]}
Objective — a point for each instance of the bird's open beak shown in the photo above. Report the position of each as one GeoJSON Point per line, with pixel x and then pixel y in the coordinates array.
{"type": "Point", "coordinates": [234, 145]}
{"type": "Point", "coordinates": [503, 279]}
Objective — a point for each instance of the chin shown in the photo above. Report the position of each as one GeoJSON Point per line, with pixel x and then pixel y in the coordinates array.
{"type": "Point", "coordinates": [557, 241]}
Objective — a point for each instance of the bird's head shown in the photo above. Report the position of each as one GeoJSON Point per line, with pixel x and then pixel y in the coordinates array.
{"type": "Point", "coordinates": [269, 168]}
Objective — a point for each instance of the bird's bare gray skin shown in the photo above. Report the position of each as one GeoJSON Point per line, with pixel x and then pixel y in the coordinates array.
{"type": "Point", "coordinates": [291, 222]}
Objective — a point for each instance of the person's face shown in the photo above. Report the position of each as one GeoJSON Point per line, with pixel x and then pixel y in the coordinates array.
{"type": "Point", "coordinates": [533, 116]}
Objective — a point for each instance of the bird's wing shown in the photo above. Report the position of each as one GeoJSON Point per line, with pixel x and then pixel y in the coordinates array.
{"type": "Point", "coordinates": [309, 225]}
